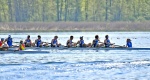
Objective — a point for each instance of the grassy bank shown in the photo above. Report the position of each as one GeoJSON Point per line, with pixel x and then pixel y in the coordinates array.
{"type": "Point", "coordinates": [73, 26]}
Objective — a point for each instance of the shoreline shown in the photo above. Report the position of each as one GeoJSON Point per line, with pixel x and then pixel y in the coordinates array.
{"type": "Point", "coordinates": [68, 31]}
{"type": "Point", "coordinates": [75, 26]}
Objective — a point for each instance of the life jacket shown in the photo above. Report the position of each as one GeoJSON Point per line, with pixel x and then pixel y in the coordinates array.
{"type": "Point", "coordinates": [129, 44]}
{"type": "Point", "coordinates": [9, 42]}
{"type": "Point", "coordinates": [107, 44]}
{"type": "Point", "coordinates": [38, 43]}
{"type": "Point", "coordinates": [96, 42]}
{"type": "Point", "coordinates": [81, 43]}
{"type": "Point", "coordinates": [22, 47]}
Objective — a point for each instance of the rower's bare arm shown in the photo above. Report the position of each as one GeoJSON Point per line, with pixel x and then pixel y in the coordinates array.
{"type": "Point", "coordinates": [78, 42]}
{"type": "Point", "coordinates": [93, 42]}
{"type": "Point", "coordinates": [35, 41]}
{"type": "Point", "coordinates": [57, 43]}
{"type": "Point", "coordinates": [105, 41]}
{"type": "Point", "coordinates": [42, 42]}
{"type": "Point", "coordinates": [25, 41]}
{"type": "Point", "coordinates": [67, 42]}
{"type": "Point", "coordinates": [100, 41]}
{"type": "Point", "coordinates": [112, 43]}
{"type": "Point", "coordinates": [6, 40]}
{"type": "Point", "coordinates": [52, 41]}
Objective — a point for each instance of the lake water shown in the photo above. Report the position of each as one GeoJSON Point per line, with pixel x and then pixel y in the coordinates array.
{"type": "Point", "coordinates": [79, 64]}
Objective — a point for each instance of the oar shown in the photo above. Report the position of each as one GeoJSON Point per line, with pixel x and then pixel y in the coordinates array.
{"type": "Point", "coordinates": [101, 42]}
{"type": "Point", "coordinates": [43, 42]}
{"type": "Point", "coordinates": [46, 42]}
{"type": "Point", "coordinates": [119, 46]}
{"type": "Point", "coordinates": [16, 42]}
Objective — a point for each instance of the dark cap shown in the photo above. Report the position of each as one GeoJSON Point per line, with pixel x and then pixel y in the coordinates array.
{"type": "Point", "coordinates": [28, 36]}
{"type": "Point", "coordinates": [81, 37]}
{"type": "Point", "coordinates": [71, 36]}
{"type": "Point", "coordinates": [128, 40]}
{"type": "Point", "coordinates": [21, 41]}
{"type": "Point", "coordinates": [56, 36]}
{"type": "Point", "coordinates": [39, 36]}
{"type": "Point", "coordinates": [106, 36]}
{"type": "Point", "coordinates": [96, 36]}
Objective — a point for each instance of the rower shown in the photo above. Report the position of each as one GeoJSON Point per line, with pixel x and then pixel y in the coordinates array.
{"type": "Point", "coordinates": [3, 45]}
{"type": "Point", "coordinates": [9, 41]}
{"type": "Point", "coordinates": [1, 42]}
{"type": "Point", "coordinates": [21, 45]}
{"type": "Point", "coordinates": [28, 42]}
{"type": "Point", "coordinates": [70, 43]}
{"type": "Point", "coordinates": [107, 42]}
{"type": "Point", "coordinates": [54, 42]}
{"type": "Point", "coordinates": [39, 42]}
{"type": "Point", "coordinates": [82, 44]}
{"type": "Point", "coordinates": [129, 43]}
{"type": "Point", "coordinates": [96, 42]}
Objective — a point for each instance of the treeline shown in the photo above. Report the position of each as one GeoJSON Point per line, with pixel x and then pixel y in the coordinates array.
{"type": "Point", "coordinates": [74, 10]}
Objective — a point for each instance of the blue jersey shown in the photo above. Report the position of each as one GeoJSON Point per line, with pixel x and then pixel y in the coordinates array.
{"type": "Point", "coordinates": [9, 42]}
{"type": "Point", "coordinates": [54, 41]}
{"type": "Point", "coordinates": [107, 44]}
{"type": "Point", "coordinates": [96, 43]}
{"type": "Point", "coordinates": [70, 42]}
{"type": "Point", "coordinates": [129, 44]}
{"type": "Point", "coordinates": [38, 43]}
{"type": "Point", "coordinates": [81, 43]}
{"type": "Point", "coordinates": [28, 40]}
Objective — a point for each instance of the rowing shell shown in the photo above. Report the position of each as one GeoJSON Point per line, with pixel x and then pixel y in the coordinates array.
{"type": "Point", "coordinates": [43, 50]}
{"type": "Point", "coordinates": [80, 48]}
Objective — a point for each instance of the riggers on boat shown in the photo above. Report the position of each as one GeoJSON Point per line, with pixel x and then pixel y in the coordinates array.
{"type": "Point", "coordinates": [38, 50]}
{"type": "Point", "coordinates": [80, 48]}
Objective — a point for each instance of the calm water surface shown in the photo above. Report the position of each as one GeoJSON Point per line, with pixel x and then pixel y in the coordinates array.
{"type": "Point", "coordinates": [79, 64]}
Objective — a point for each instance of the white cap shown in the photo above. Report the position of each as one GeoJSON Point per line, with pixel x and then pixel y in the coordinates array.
{"type": "Point", "coordinates": [9, 35]}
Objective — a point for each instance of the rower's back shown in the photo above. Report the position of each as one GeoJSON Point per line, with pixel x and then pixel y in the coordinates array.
{"type": "Point", "coordinates": [129, 43]}
{"type": "Point", "coordinates": [107, 41]}
{"type": "Point", "coordinates": [96, 41]}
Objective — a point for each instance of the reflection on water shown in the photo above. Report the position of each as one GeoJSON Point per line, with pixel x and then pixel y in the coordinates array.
{"type": "Point", "coordinates": [79, 64]}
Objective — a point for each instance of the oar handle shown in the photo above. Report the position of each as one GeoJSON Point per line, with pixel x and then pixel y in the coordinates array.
{"type": "Point", "coordinates": [112, 43]}
{"type": "Point", "coordinates": [101, 42]}
{"type": "Point", "coordinates": [119, 45]}
{"type": "Point", "coordinates": [46, 42]}
{"type": "Point", "coordinates": [16, 42]}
